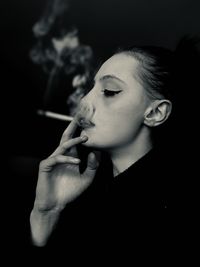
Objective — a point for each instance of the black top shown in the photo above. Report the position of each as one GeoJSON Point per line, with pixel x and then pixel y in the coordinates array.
{"type": "Point", "coordinates": [125, 215]}
{"type": "Point", "coordinates": [120, 212]}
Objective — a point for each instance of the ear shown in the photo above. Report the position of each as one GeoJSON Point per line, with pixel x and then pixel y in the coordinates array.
{"type": "Point", "coordinates": [157, 113]}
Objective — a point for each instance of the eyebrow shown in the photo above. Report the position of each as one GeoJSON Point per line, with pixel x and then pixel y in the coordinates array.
{"type": "Point", "coordinates": [111, 77]}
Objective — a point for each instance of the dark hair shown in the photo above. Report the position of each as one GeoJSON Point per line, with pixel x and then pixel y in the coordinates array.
{"type": "Point", "coordinates": [162, 71]}
{"type": "Point", "coordinates": [172, 75]}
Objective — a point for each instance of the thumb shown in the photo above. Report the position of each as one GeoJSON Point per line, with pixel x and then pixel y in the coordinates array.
{"type": "Point", "coordinates": [92, 166]}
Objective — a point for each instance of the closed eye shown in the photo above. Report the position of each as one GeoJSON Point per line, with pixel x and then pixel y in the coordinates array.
{"type": "Point", "coordinates": [110, 93]}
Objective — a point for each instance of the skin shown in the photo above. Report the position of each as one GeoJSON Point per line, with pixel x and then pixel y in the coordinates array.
{"type": "Point", "coordinates": [125, 109]}
{"type": "Point", "coordinates": [59, 182]}
{"type": "Point", "coordinates": [121, 113]}
{"type": "Point", "coordinates": [118, 122]}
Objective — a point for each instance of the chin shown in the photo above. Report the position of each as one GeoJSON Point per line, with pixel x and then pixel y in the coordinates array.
{"type": "Point", "coordinates": [94, 142]}
{"type": "Point", "coordinates": [91, 142]}
{"type": "Point", "coordinates": [96, 145]}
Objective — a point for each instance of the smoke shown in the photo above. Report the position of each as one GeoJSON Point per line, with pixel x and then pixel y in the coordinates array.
{"type": "Point", "coordinates": [57, 50]}
{"type": "Point", "coordinates": [47, 30]}
{"type": "Point", "coordinates": [53, 11]}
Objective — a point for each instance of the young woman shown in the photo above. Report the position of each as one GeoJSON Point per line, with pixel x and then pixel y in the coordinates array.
{"type": "Point", "coordinates": [121, 194]}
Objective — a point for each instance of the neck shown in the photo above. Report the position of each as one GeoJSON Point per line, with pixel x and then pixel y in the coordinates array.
{"type": "Point", "coordinates": [123, 157]}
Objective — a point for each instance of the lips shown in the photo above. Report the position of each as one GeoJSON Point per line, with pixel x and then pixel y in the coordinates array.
{"type": "Point", "coordinates": [85, 123]}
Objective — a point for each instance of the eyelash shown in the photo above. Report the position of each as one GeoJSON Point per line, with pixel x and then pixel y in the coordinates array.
{"type": "Point", "coordinates": [110, 93]}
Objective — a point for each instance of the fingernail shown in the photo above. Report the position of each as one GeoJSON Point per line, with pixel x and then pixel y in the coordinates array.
{"type": "Point", "coordinates": [76, 160]}
{"type": "Point", "coordinates": [84, 138]}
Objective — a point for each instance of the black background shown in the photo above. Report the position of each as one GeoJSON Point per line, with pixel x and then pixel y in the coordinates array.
{"type": "Point", "coordinates": [102, 24]}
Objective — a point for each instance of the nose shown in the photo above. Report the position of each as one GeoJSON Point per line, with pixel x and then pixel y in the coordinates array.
{"type": "Point", "coordinates": [86, 109]}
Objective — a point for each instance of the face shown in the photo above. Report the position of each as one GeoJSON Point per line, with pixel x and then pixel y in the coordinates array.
{"type": "Point", "coordinates": [115, 106]}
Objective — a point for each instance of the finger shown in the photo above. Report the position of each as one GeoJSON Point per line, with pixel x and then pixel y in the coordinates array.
{"type": "Point", "coordinates": [69, 132]}
{"type": "Point", "coordinates": [68, 144]}
{"type": "Point", "coordinates": [92, 166]}
{"type": "Point", "coordinates": [46, 165]}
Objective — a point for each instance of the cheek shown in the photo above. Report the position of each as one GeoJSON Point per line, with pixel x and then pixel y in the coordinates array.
{"type": "Point", "coordinates": [113, 131]}
{"type": "Point", "coordinates": [121, 123]}
{"type": "Point", "coordinates": [118, 120]}
{"type": "Point", "coordinates": [122, 112]}
{"type": "Point", "coordinates": [129, 114]}
{"type": "Point", "coordinates": [126, 125]}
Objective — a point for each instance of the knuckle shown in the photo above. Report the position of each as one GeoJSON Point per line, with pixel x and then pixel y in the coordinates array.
{"type": "Point", "coordinates": [64, 145]}
{"type": "Point", "coordinates": [42, 164]}
{"type": "Point", "coordinates": [64, 137]}
{"type": "Point", "coordinates": [67, 144]}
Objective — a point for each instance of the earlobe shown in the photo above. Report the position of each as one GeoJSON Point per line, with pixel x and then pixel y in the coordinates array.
{"type": "Point", "coordinates": [157, 113]}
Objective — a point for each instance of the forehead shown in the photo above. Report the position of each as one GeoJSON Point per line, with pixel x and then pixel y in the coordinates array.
{"type": "Point", "coordinates": [120, 65]}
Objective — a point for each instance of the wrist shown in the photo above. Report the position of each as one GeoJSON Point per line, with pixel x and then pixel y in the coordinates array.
{"type": "Point", "coordinates": [42, 224]}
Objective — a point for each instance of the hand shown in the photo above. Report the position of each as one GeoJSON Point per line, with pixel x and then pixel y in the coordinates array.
{"type": "Point", "coordinates": [59, 180]}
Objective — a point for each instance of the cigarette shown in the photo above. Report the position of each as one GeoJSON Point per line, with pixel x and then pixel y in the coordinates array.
{"type": "Point", "coordinates": [54, 115]}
